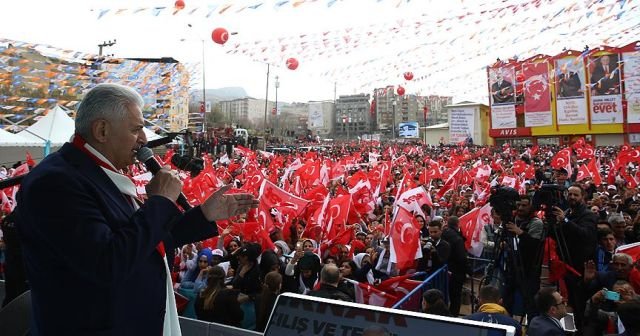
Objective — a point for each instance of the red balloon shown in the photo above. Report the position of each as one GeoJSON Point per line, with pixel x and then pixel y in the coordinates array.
{"type": "Point", "coordinates": [408, 75]}
{"type": "Point", "coordinates": [220, 35]}
{"type": "Point", "coordinates": [292, 63]}
{"type": "Point", "coordinates": [400, 90]}
{"type": "Point", "coordinates": [179, 4]}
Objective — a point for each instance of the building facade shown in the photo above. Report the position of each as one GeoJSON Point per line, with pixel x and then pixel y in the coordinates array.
{"type": "Point", "coordinates": [353, 116]}
{"type": "Point", "coordinates": [322, 118]}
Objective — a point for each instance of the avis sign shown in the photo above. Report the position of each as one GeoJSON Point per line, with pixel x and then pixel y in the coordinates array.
{"type": "Point", "coordinates": [606, 109]}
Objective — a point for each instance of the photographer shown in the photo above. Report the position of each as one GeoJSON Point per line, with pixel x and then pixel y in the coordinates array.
{"type": "Point", "coordinates": [435, 251]}
{"type": "Point", "coordinates": [576, 240]}
{"type": "Point", "coordinates": [527, 230]}
{"type": "Point", "coordinates": [457, 263]}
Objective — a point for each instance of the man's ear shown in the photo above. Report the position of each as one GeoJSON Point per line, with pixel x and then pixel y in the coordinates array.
{"type": "Point", "coordinates": [100, 130]}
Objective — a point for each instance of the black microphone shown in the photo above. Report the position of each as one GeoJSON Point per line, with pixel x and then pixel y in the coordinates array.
{"type": "Point", "coordinates": [146, 155]}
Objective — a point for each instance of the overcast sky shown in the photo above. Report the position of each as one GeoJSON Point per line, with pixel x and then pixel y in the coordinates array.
{"type": "Point", "coordinates": [392, 46]}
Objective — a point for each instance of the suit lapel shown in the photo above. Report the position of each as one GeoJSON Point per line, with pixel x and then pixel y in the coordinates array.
{"type": "Point", "coordinates": [97, 176]}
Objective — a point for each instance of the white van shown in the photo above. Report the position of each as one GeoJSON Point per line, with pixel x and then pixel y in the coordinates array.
{"type": "Point", "coordinates": [241, 133]}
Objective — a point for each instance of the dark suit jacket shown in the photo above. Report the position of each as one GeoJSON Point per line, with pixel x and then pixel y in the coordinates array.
{"type": "Point", "coordinates": [543, 326]}
{"type": "Point", "coordinates": [91, 260]}
{"type": "Point", "coordinates": [605, 84]}
{"type": "Point", "coordinates": [580, 236]}
{"type": "Point", "coordinates": [569, 85]}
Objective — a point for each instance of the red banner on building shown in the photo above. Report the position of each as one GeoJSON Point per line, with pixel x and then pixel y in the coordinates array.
{"type": "Point", "coordinates": [537, 100]}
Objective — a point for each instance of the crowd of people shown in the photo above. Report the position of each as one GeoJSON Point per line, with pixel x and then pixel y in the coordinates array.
{"type": "Point", "coordinates": [549, 261]}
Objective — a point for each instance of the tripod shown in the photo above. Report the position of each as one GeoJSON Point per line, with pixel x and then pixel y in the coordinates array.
{"type": "Point", "coordinates": [506, 269]}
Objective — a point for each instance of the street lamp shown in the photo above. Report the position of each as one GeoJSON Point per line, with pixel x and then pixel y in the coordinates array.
{"type": "Point", "coordinates": [345, 120]}
{"type": "Point", "coordinates": [276, 114]}
{"type": "Point", "coordinates": [393, 122]}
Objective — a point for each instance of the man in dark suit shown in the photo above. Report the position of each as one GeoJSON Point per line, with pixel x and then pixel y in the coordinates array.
{"type": "Point", "coordinates": [605, 78]}
{"type": "Point", "coordinates": [569, 84]}
{"type": "Point", "coordinates": [576, 242]}
{"type": "Point", "coordinates": [94, 253]}
{"type": "Point", "coordinates": [502, 90]}
{"type": "Point", "coordinates": [457, 263]}
{"type": "Point", "coordinates": [552, 308]}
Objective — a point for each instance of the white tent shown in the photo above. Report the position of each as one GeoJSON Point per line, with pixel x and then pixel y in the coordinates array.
{"type": "Point", "coordinates": [56, 127]}
{"type": "Point", "coordinates": [8, 139]}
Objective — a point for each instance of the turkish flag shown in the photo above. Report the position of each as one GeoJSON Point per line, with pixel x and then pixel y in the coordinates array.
{"type": "Point", "coordinates": [405, 239]}
{"type": "Point", "coordinates": [274, 197]}
{"type": "Point", "coordinates": [519, 167]}
{"type": "Point", "coordinates": [583, 173]}
{"type": "Point", "coordinates": [368, 294]}
{"type": "Point", "coordinates": [336, 215]}
{"type": "Point", "coordinates": [252, 183]}
{"type": "Point", "coordinates": [400, 286]}
{"type": "Point", "coordinates": [471, 227]}
{"type": "Point", "coordinates": [631, 249]}
{"type": "Point", "coordinates": [412, 197]}
{"type": "Point", "coordinates": [594, 171]}
{"type": "Point", "coordinates": [562, 159]}
{"type": "Point", "coordinates": [536, 87]}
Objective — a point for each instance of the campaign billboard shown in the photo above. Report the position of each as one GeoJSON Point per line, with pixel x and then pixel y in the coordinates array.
{"type": "Point", "coordinates": [409, 129]}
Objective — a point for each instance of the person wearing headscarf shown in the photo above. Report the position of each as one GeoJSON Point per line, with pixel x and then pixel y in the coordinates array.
{"type": "Point", "coordinates": [304, 268]}
{"type": "Point", "coordinates": [363, 273]}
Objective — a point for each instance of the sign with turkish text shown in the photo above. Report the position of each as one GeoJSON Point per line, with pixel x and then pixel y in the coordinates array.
{"type": "Point", "coordinates": [295, 314]}
{"type": "Point", "coordinates": [572, 111]}
{"type": "Point", "coordinates": [503, 116]}
{"type": "Point", "coordinates": [606, 109]}
{"type": "Point", "coordinates": [461, 124]}
{"type": "Point", "coordinates": [632, 85]}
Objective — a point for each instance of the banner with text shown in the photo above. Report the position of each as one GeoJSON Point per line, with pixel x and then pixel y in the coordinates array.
{"type": "Point", "coordinates": [606, 109]}
{"type": "Point", "coordinates": [305, 315]}
{"type": "Point", "coordinates": [606, 97]}
{"type": "Point", "coordinates": [461, 124]}
{"type": "Point", "coordinates": [316, 119]}
{"type": "Point", "coordinates": [503, 116]}
{"type": "Point", "coordinates": [571, 106]}
{"type": "Point", "coordinates": [632, 85]}
{"type": "Point", "coordinates": [537, 99]}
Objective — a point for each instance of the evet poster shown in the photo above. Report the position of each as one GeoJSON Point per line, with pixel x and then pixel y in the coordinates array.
{"type": "Point", "coordinates": [606, 97]}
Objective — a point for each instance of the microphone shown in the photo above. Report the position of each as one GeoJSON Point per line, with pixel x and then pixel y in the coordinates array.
{"type": "Point", "coordinates": [146, 155]}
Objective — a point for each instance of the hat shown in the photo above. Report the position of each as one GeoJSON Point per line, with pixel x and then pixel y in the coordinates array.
{"type": "Point", "coordinates": [309, 261]}
{"type": "Point", "coordinates": [612, 187]}
{"type": "Point", "coordinates": [562, 171]}
{"type": "Point", "coordinates": [250, 250]}
{"type": "Point", "coordinates": [217, 252]}
{"type": "Point", "coordinates": [437, 218]}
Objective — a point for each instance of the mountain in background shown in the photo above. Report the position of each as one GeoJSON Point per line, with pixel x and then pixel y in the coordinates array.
{"type": "Point", "coordinates": [216, 95]}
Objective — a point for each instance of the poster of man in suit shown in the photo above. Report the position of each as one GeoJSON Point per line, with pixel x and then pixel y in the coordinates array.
{"type": "Point", "coordinates": [502, 91]}
{"type": "Point", "coordinates": [604, 75]}
{"type": "Point", "coordinates": [569, 78]}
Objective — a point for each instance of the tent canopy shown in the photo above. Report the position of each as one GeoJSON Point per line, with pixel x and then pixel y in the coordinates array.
{"type": "Point", "coordinates": [8, 139]}
{"type": "Point", "coordinates": [56, 127]}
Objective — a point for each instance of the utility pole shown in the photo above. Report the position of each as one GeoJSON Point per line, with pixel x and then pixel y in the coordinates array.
{"type": "Point", "coordinates": [277, 117]}
{"type": "Point", "coordinates": [105, 44]}
{"type": "Point", "coordinates": [204, 96]}
{"type": "Point", "coordinates": [266, 103]}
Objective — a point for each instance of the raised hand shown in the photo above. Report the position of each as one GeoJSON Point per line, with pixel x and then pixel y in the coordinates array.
{"type": "Point", "coordinates": [220, 206]}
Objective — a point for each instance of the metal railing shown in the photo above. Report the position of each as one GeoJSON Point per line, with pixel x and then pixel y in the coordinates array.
{"type": "Point", "coordinates": [438, 279]}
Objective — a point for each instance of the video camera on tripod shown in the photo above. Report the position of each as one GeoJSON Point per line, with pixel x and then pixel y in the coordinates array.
{"type": "Point", "coordinates": [547, 197]}
{"type": "Point", "coordinates": [503, 200]}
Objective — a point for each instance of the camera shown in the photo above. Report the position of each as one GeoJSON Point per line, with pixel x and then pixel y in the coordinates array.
{"type": "Point", "coordinates": [503, 200]}
{"type": "Point", "coordinates": [428, 243]}
{"type": "Point", "coordinates": [188, 163]}
{"type": "Point", "coordinates": [547, 197]}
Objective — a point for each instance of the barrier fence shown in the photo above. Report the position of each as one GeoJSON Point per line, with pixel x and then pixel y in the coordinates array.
{"type": "Point", "coordinates": [413, 300]}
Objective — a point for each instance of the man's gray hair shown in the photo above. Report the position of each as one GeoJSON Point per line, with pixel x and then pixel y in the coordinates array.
{"type": "Point", "coordinates": [330, 274]}
{"type": "Point", "coordinates": [105, 101]}
{"type": "Point", "coordinates": [615, 219]}
{"type": "Point", "coordinates": [625, 256]}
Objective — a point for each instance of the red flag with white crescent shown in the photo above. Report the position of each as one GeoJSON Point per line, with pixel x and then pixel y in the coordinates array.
{"type": "Point", "coordinates": [404, 239]}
